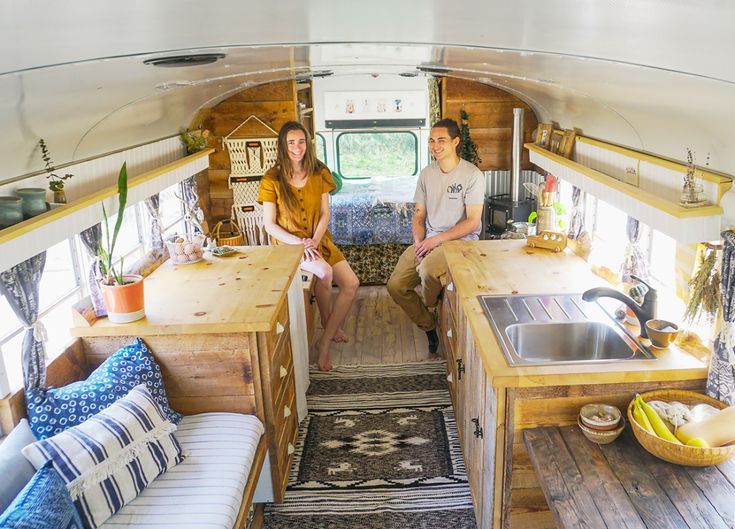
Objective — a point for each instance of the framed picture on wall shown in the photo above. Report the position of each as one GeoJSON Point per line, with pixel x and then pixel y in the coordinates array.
{"type": "Point", "coordinates": [567, 143]}
{"type": "Point", "coordinates": [555, 142]}
{"type": "Point", "coordinates": [543, 135]}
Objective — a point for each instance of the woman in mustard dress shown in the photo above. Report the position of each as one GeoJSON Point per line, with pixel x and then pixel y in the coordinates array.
{"type": "Point", "coordinates": [295, 198]}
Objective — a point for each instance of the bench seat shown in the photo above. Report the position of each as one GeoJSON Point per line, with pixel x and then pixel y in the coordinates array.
{"type": "Point", "coordinates": [206, 490]}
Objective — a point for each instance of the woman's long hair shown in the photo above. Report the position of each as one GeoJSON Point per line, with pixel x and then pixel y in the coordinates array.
{"type": "Point", "coordinates": [310, 163]}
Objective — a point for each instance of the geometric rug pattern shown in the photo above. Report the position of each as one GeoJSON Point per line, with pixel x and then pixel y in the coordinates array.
{"type": "Point", "coordinates": [378, 449]}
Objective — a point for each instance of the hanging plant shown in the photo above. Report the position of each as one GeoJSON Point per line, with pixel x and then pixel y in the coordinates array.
{"type": "Point", "coordinates": [467, 147]}
{"type": "Point", "coordinates": [704, 289]}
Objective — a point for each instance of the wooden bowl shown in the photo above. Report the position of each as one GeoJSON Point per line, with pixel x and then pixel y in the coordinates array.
{"type": "Point", "coordinates": [589, 415]}
{"type": "Point", "coordinates": [675, 453]}
{"type": "Point", "coordinates": [601, 437]}
{"type": "Point", "coordinates": [661, 338]}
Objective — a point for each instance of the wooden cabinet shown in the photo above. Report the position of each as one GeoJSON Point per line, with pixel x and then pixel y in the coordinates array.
{"type": "Point", "coordinates": [221, 331]}
{"type": "Point", "coordinates": [474, 404]}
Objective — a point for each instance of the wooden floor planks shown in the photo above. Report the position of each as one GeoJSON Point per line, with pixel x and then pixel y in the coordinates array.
{"type": "Point", "coordinates": [379, 333]}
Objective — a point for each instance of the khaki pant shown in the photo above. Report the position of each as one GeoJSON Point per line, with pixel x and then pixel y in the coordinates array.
{"type": "Point", "coordinates": [409, 273]}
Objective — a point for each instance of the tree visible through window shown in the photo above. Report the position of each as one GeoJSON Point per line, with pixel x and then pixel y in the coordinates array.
{"type": "Point", "coordinates": [368, 154]}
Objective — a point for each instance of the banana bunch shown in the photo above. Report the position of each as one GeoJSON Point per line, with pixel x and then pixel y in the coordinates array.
{"type": "Point", "coordinates": [649, 420]}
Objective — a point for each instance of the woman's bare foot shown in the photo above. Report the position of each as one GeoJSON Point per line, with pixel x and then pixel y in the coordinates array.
{"type": "Point", "coordinates": [340, 337]}
{"type": "Point", "coordinates": [324, 363]}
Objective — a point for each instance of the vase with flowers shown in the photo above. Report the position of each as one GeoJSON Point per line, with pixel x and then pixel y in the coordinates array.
{"type": "Point", "coordinates": [692, 192]}
{"type": "Point", "coordinates": [56, 182]}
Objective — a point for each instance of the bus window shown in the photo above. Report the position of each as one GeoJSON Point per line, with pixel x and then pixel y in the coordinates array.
{"type": "Point", "coordinates": [368, 154]}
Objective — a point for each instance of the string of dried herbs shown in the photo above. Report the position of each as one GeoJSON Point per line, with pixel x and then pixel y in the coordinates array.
{"type": "Point", "coordinates": [704, 290]}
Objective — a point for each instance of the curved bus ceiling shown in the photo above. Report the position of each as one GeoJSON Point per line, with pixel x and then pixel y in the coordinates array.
{"type": "Point", "coordinates": [654, 75]}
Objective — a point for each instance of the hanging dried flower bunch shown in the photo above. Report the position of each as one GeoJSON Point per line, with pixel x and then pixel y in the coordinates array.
{"type": "Point", "coordinates": [704, 289]}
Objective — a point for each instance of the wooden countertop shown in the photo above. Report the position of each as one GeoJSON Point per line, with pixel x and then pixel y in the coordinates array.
{"type": "Point", "coordinates": [509, 267]}
{"type": "Point", "coordinates": [622, 485]}
{"type": "Point", "coordinates": [238, 293]}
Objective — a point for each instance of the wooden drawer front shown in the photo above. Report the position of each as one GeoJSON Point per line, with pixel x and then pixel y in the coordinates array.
{"type": "Point", "coordinates": [450, 293]}
{"type": "Point", "coordinates": [284, 406]}
{"type": "Point", "coordinates": [279, 329]}
{"type": "Point", "coordinates": [281, 369]}
{"type": "Point", "coordinates": [287, 445]}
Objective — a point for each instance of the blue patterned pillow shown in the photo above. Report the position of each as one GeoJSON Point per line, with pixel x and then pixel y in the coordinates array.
{"type": "Point", "coordinates": [53, 410]}
{"type": "Point", "coordinates": [110, 458]}
{"type": "Point", "coordinates": [43, 504]}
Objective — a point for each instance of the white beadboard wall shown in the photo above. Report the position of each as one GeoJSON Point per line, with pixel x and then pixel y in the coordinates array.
{"type": "Point", "coordinates": [147, 158]}
{"type": "Point", "coordinates": [92, 175]}
{"type": "Point", "coordinates": [654, 178]}
{"type": "Point", "coordinates": [688, 230]}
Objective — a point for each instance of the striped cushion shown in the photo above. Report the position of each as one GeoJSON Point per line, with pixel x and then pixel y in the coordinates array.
{"type": "Point", "coordinates": [205, 491]}
{"type": "Point", "coordinates": [110, 458]}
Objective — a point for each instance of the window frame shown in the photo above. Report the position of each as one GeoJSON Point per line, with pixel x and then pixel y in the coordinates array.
{"type": "Point", "coordinates": [391, 131]}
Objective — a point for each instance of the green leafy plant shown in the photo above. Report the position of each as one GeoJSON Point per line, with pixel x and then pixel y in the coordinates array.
{"type": "Point", "coordinates": [110, 274]}
{"type": "Point", "coordinates": [195, 140]}
{"type": "Point", "coordinates": [467, 147]}
{"type": "Point", "coordinates": [56, 182]}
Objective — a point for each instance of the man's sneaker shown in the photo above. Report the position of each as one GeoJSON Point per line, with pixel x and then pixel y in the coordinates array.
{"type": "Point", "coordinates": [433, 340]}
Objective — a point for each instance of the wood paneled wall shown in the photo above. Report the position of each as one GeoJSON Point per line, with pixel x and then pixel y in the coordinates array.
{"type": "Point", "coordinates": [490, 112]}
{"type": "Point", "coordinates": [273, 103]}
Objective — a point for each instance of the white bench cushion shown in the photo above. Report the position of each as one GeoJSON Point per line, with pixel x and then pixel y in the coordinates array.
{"type": "Point", "coordinates": [205, 491]}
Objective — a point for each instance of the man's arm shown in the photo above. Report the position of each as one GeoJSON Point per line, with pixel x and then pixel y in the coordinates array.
{"type": "Point", "coordinates": [459, 230]}
{"type": "Point", "coordinates": [418, 223]}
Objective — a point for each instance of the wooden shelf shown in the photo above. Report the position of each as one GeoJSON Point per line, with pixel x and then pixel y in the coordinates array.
{"type": "Point", "coordinates": [32, 236]}
{"type": "Point", "coordinates": [684, 224]}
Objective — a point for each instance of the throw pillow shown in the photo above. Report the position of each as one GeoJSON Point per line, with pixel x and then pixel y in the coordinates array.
{"type": "Point", "coordinates": [15, 471]}
{"type": "Point", "coordinates": [109, 459]}
{"type": "Point", "coordinates": [43, 504]}
{"type": "Point", "coordinates": [53, 410]}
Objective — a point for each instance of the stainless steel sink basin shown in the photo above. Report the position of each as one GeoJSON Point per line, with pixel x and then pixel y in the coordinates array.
{"type": "Point", "coordinates": [556, 329]}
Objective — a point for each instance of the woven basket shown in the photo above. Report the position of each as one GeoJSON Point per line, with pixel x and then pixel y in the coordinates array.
{"type": "Point", "coordinates": [674, 453]}
{"type": "Point", "coordinates": [227, 233]}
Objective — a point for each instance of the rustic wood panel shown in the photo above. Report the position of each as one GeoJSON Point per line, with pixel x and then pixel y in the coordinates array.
{"type": "Point", "coordinates": [66, 368]}
{"type": "Point", "coordinates": [192, 366]}
{"type": "Point", "coordinates": [280, 91]}
{"type": "Point", "coordinates": [490, 113]}
{"type": "Point", "coordinates": [530, 510]}
{"type": "Point", "coordinates": [621, 485]}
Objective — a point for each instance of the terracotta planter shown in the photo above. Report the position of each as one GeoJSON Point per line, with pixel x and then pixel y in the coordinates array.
{"type": "Point", "coordinates": [125, 303]}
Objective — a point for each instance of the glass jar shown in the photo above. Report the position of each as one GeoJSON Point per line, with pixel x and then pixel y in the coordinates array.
{"type": "Point", "coordinates": [11, 211]}
{"type": "Point", "coordinates": [34, 200]}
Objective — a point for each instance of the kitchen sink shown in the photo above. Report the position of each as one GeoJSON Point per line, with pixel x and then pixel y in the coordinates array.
{"type": "Point", "coordinates": [558, 329]}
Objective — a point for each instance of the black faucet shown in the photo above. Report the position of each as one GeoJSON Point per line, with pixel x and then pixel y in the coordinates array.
{"type": "Point", "coordinates": [644, 312]}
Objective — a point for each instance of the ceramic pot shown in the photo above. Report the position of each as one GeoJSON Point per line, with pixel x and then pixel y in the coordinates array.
{"type": "Point", "coordinates": [11, 211]}
{"type": "Point", "coordinates": [34, 200]}
{"type": "Point", "coordinates": [125, 303]}
{"type": "Point", "coordinates": [60, 197]}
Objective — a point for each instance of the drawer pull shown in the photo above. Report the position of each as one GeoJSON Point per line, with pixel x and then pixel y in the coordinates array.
{"type": "Point", "coordinates": [450, 287]}
{"type": "Point", "coordinates": [449, 333]}
{"type": "Point", "coordinates": [450, 378]}
{"type": "Point", "coordinates": [460, 368]}
{"type": "Point", "coordinates": [283, 372]}
{"type": "Point", "coordinates": [312, 299]}
{"type": "Point", "coordinates": [291, 449]}
{"type": "Point", "coordinates": [286, 412]}
{"type": "Point", "coordinates": [279, 327]}
{"type": "Point", "coordinates": [478, 430]}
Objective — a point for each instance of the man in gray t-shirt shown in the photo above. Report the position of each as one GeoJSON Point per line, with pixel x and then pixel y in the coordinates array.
{"type": "Point", "coordinates": [449, 198]}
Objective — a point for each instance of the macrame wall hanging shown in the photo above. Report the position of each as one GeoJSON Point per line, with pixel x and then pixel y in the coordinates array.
{"type": "Point", "coordinates": [250, 158]}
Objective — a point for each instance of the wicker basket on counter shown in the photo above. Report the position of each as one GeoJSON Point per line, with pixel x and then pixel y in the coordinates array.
{"type": "Point", "coordinates": [227, 233]}
{"type": "Point", "coordinates": [675, 453]}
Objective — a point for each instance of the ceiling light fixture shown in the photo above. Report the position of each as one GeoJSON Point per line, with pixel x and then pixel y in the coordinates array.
{"type": "Point", "coordinates": [178, 61]}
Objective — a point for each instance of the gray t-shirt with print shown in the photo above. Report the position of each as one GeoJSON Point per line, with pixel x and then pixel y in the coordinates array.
{"type": "Point", "coordinates": [445, 196]}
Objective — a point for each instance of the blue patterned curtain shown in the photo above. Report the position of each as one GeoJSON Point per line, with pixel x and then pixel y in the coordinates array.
{"type": "Point", "coordinates": [194, 216]}
{"type": "Point", "coordinates": [635, 260]}
{"type": "Point", "coordinates": [576, 220]}
{"type": "Point", "coordinates": [20, 287]}
{"type": "Point", "coordinates": [91, 238]}
{"type": "Point", "coordinates": [152, 204]}
{"type": "Point", "coordinates": [721, 376]}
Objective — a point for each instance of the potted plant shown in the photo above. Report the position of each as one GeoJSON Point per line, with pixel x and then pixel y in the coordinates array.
{"type": "Point", "coordinates": [56, 182]}
{"type": "Point", "coordinates": [123, 293]}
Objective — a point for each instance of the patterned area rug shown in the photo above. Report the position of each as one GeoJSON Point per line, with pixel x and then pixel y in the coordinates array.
{"type": "Point", "coordinates": [378, 449]}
